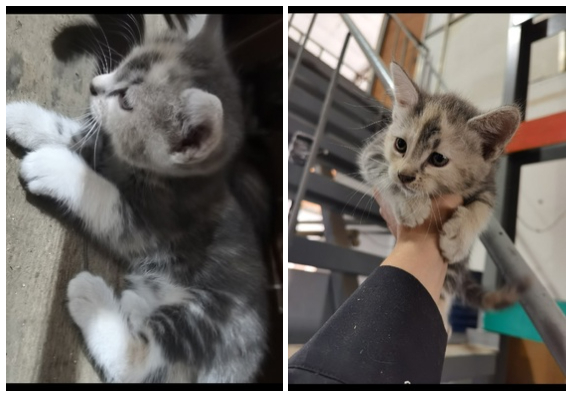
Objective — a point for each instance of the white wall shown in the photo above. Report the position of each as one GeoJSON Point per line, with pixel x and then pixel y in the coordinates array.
{"type": "Point", "coordinates": [474, 66]}
{"type": "Point", "coordinates": [329, 31]}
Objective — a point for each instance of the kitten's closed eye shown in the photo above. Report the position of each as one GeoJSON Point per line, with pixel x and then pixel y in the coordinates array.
{"type": "Point", "coordinates": [122, 97]}
{"type": "Point", "coordinates": [123, 102]}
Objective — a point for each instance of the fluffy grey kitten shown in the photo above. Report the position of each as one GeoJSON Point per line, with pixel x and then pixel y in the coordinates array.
{"type": "Point", "coordinates": [148, 178]}
{"type": "Point", "coordinates": [441, 144]}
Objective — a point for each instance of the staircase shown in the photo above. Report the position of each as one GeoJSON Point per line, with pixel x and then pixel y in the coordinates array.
{"type": "Point", "coordinates": [344, 119]}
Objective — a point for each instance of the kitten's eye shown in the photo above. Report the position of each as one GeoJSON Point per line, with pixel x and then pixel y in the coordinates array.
{"type": "Point", "coordinates": [438, 159]}
{"type": "Point", "coordinates": [400, 145]}
{"type": "Point", "coordinates": [123, 100]}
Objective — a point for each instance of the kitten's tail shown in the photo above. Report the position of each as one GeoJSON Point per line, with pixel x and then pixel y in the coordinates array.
{"type": "Point", "coordinates": [476, 296]}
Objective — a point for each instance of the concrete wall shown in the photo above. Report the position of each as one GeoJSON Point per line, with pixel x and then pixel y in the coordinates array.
{"type": "Point", "coordinates": [474, 65]}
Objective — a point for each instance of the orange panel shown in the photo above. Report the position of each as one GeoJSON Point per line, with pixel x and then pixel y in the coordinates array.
{"type": "Point", "coordinates": [537, 133]}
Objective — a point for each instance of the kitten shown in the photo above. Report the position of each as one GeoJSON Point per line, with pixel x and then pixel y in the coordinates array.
{"type": "Point", "coordinates": [149, 178]}
{"type": "Point", "coordinates": [441, 144]}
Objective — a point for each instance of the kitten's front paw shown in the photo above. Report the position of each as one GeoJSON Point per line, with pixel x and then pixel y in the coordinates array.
{"type": "Point", "coordinates": [54, 172]}
{"type": "Point", "coordinates": [412, 214]}
{"type": "Point", "coordinates": [88, 295]}
{"type": "Point", "coordinates": [32, 126]}
{"type": "Point", "coordinates": [454, 242]}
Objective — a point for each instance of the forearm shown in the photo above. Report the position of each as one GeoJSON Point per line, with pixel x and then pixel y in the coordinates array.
{"type": "Point", "coordinates": [417, 253]}
{"type": "Point", "coordinates": [388, 331]}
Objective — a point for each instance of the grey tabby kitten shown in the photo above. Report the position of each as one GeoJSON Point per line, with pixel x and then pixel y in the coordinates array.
{"type": "Point", "coordinates": [441, 144]}
{"type": "Point", "coordinates": [159, 199]}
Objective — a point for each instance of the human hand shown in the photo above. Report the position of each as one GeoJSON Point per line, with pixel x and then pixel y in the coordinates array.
{"type": "Point", "coordinates": [442, 208]}
{"type": "Point", "coordinates": [417, 249]}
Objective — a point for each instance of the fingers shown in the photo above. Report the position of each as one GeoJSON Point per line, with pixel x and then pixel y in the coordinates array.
{"type": "Point", "coordinates": [444, 207]}
{"type": "Point", "coordinates": [449, 201]}
{"type": "Point", "coordinates": [387, 213]}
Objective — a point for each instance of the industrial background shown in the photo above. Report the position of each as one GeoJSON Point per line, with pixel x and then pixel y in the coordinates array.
{"type": "Point", "coordinates": [336, 235]}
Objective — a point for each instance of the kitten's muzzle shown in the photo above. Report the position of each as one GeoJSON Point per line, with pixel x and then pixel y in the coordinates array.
{"type": "Point", "coordinates": [406, 178]}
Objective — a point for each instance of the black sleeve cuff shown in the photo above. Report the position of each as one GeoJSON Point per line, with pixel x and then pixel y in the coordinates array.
{"type": "Point", "coordinates": [389, 331]}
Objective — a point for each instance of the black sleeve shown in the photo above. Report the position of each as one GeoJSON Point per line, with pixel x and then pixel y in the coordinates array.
{"type": "Point", "coordinates": [389, 331]}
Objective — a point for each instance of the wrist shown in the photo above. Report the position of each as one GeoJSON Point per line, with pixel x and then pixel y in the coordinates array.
{"type": "Point", "coordinates": [418, 253]}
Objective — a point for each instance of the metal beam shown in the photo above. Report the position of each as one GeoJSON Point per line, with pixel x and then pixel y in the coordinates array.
{"type": "Point", "coordinates": [377, 65]}
{"type": "Point", "coordinates": [469, 366]}
{"type": "Point", "coordinates": [336, 196]}
{"type": "Point", "coordinates": [340, 123]}
{"type": "Point", "coordinates": [300, 52]}
{"type": "Point", "coordinates": [331, 257]}
{"type": "Point", "coordinates": [542, 310]}
{"type": "Point", "coordinates": [294, 212]}
{"type": "Point", "coordinates": [314, 76]}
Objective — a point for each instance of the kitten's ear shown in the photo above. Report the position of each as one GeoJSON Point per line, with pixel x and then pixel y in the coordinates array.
{"type": "Point", "coordinates": [496, 127]}
{"type": "Point", "coordinates": [204, 26]}
{"type": "Point", "coordinates": [406, 93]}
{"type": "Point", "coordinates": [202, 119]}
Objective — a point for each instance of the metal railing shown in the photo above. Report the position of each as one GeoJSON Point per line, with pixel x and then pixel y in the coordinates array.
{"type": "Point", "coordinates": [543, 311]}
{"type": "Point", "coordinates": [304, 39]}
{"type": "Point", "coordinates": [319, 133]}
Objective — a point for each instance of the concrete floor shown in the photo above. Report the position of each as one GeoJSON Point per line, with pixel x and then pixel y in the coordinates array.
{"type": "Point", "coordinates": [42, 344]}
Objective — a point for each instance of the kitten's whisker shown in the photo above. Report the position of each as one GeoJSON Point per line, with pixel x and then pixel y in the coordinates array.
{"type": "Point", "coordinates": [362, 106]}
{"type": "Point", "coordinates": [357, 204]}
{"type": "Point", "coordinates": [373, 135]}
{"type": "Point", "coordinates": [350, 198]}
{"type": "Point", "coordinates": [108, 49]}
{"type": "Point", "coordinates": [137, 26]}
{"type": "Point", "coordinates": [131, 38]}
{"type": "Point", "coordinates": [95, 148]}
{"type": "Point", "coordinates": [130, 41]}
{"type": "Point", "coordinates": [86, 137]}
{"type": "Point", "coordinates": [431, 212]}
{"type": "Point", "coordinates": [368, 125]}
{"type": "Point", "coordinates": [94, 37]}
{"type": "Point", "coordinates": [355, 150]}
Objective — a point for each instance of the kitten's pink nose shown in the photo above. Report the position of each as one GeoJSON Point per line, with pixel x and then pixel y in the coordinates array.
{"type": "Point", "coordinates": [406, 178]}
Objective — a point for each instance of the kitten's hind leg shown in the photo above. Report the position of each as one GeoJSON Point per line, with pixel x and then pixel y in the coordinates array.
{"type": "Point", "coordinates": [123, 355]}
{"type": "Point", "coordinates": [33, 127]}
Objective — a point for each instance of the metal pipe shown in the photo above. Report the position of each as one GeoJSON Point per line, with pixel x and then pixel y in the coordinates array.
{"type": "Point", "coordinates": [377, 65]}
{"type": "Point", "coordinates": [421, 46]}
{"type": "Point", "coordinates": [542, 310]}
{"type": "Point", "coordinates": [403, 53]}
{"type": "Point", "coordinates": [412, 38]}
{"type": "Point", "coordinates": [378, 50]}
{"type": "Point", "coordinates": [443, 50]}
{"type": "Point", "coordinates": [318, 136]}
{"type": "Point", "coordinates": [300, 53]}
{"type": "Point", "coordinates": [395, 44]}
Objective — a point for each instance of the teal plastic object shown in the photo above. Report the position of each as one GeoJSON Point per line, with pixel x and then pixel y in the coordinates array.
{"type": "Point", "coordinates": [514, 322]}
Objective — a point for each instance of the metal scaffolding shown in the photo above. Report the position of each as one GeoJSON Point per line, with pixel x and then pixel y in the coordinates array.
{"type": "Point", "coordinates": [542, 310]}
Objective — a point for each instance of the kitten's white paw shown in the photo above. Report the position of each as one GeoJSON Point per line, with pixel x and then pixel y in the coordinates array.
{"type": "Point", "coordinates": [55, 172]}
{"type": "Point", "coordinates": [32, 126]}
{"type": "Point", "coordinates": [454, 243]}
{"type": "Point", "coordinates": [413, 213]}
{"type": "Point", "coordinates": [87, 296]}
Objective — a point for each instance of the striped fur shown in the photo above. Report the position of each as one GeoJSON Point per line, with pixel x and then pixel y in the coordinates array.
{"type": "Point", "coordinates": [472, 142]}
{"type": "Point", "coordinates": [152, 177]}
